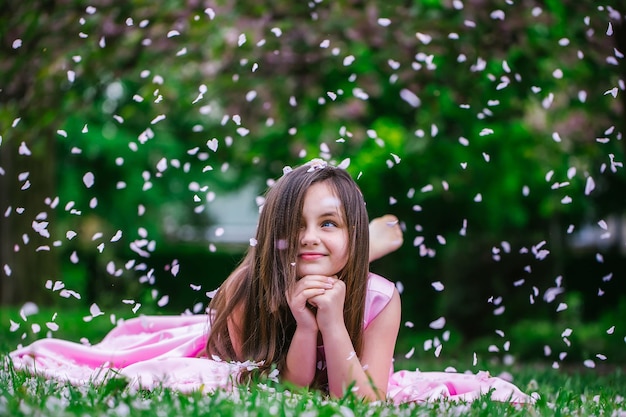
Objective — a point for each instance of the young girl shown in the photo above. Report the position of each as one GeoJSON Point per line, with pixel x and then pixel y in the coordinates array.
{"type": "Point", "coordinates": [302, 302]}
{"type": "Point", "coordinates": [305, 285]}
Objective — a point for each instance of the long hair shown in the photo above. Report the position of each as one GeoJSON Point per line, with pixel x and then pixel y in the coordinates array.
{"type": "Point", "coordinates": [258, 285]}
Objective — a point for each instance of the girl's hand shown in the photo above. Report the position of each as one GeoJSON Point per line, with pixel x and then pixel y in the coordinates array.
{"type": "Point", "coordinates": [330, 305]}
{"type": "Point", "coordinates": [307, 288]}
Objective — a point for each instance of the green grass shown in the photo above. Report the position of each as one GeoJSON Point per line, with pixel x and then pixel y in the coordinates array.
{"type": "Point", "coordinates": [583, 393]}
{"type": "Point", "coordinates": [567, 391]}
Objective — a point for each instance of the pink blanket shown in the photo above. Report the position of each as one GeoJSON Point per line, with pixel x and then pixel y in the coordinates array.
{"type": "Point", "coordinates": [154, 351]}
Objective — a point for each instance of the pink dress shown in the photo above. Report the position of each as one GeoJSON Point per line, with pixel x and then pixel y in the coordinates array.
{"type": "Point", "coordinates": [164, 351]}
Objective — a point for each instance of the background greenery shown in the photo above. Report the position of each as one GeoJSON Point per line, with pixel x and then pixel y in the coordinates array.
{"type": "Point", "coordinates": [492, 129]}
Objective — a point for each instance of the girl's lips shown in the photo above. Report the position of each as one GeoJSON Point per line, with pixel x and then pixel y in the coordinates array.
{"type": "Point", "coordinates": [310, 256]}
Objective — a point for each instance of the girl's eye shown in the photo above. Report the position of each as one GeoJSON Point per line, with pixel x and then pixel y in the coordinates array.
{"type": "Point", "coordinates": [329, 223]}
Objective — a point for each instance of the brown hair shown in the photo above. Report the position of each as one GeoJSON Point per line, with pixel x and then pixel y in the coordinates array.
{"type": "Point", "coordinates": [258, 286]}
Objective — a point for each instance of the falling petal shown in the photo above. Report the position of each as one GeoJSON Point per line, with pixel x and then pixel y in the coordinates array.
{"type": "Point", "coordinates": [69, 293]}
{"type": "Point", "coordinates": [23, 150]}
{"type": "Point", "coordinates": [157, 119]}
{"type": "Point", "coordinates": [242, 39]}
{"type": "Point", "coordinates": [590, 185]}
{"type": "Point", "coordinates": [14, 326]}
{"type": "Point", "coordinates": [438, 324]}
{"type": "Point", "coordinates": [28, 309]}
{"type": "Point", "coordinates": [162, 165]}
{"type": "Point", "coordinates": [344, 164]}
{"type": "Point", "coordinates": [95, 311]}
{"type": "Point", "coordinates": [117, 236]}
{"type": "Point", "coordinates": [212, 144]}
{"type": "Point", "coordinates": [438, 350]}
{"type": "Point", "coordinates": [410, 97]}
{"type": "Point", "coordinates": [88, 179]}
{"type": "Point", "coordinates": [163, 301]}
{"type": "Point", "coordinates": [410, 353]}
{"type": "Point", "coordinates": [547, 351]}
{"type": "Point", "coordinates": [497, 15]}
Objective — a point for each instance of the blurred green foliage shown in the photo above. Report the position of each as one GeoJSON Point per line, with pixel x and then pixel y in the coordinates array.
{"type": "Point", "coordinates": [476, 124]}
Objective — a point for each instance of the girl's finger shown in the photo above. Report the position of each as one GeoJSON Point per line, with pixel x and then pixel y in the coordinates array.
{"type": "Point", "coordinates": [313, 292]}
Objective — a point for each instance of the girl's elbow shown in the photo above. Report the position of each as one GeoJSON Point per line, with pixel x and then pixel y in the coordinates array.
{"type": "Point", "coordinates": [373, 394]}
{"type": "Point", "coordinates": [368, 393]}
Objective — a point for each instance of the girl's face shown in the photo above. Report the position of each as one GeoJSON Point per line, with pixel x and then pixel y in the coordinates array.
{"type": "Point", "coordinates": [323, 241]}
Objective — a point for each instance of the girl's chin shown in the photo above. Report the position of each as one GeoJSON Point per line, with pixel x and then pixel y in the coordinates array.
{"type": "Point", "coordinates": [313, 271]}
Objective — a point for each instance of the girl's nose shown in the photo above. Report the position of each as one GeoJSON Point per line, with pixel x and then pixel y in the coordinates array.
{"type": "Point", "coordinates": [308, 236]}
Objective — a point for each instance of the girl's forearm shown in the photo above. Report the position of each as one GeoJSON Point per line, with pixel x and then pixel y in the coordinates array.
{"type": "Point", "coordinates": [301, 358]}
{"type": "Point", "coordinates": [344, 368]}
